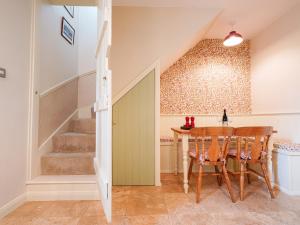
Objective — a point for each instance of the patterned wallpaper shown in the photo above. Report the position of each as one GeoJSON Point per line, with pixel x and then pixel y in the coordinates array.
{"type": "Point", "coordinates": [207, 79]}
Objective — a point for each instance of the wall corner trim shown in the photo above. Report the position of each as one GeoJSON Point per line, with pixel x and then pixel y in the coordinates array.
{"type": "Point", "coordinates": [135, 81]}
{"type": "Point", "coordinates": [12, 205]}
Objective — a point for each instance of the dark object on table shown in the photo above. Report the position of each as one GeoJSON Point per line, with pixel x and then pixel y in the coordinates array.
{"type": "Point", "coordinates": [225, 119]}
{"type": "Point", "coordinates": [185, 127]}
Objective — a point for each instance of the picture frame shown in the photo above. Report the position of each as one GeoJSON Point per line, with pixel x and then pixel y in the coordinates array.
{"type": "Point", "coordinates": [67, 31]}
{"type": "Point", "coordinates": [70, 10]}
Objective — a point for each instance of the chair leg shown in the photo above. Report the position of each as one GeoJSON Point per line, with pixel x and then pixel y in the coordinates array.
{"type": "Point", "coordinates": [267, 179]}
{"type": "Point", "coordinates": [242, 180]}
{"type": "Point", "coordinates": [219, 177]}
{"type": "Point", "coordinates": [199, 183]}
{"type": "Point", "coordinates": [228, 183]}
{"type": "Point", "coordinates": [190, 169]}
{"type": "Point", "coordinates": [248, 174]}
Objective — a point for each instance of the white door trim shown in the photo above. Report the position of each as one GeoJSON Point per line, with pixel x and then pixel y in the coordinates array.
{"type": "Point", "coordinates": [157, 123]}
{"type": "Point", "coordinates": [103, 109]}
{"type": "Point", "coordinates": [33, 95]}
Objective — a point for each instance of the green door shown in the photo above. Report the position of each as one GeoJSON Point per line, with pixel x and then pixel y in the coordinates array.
{"type": "Point", "coordinates": [134, 135]}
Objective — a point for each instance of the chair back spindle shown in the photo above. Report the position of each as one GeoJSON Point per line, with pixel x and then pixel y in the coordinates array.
{"type": "Point", "coordinates": [253, 142]}
{"type": "Point", "coordinates": [214, 142]}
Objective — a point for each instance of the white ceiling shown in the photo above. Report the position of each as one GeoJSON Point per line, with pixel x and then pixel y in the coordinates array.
{"type": "Point", "coordinates": [250, 16]}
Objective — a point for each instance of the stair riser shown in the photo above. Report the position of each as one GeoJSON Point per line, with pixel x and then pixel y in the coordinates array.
{"type": "Point", "coordinates": [67, 166]}
{"type": "Point", "coordinates": [83, 126]}
{"type": "Point", "coordinates": [74, 143]}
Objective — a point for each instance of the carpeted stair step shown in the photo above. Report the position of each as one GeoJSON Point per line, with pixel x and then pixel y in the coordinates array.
{"type": "Point", "coordinates": [67, 164]}
{"type": "Point", "coordinates": [87, 126]}
{"type": "Point", "coordinates": [74, 142]}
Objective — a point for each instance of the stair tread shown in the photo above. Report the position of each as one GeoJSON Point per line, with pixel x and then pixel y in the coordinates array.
{"type": "Point", "coordinates": [74, 142]}
{"type": "Point", "coordinates": [85, 119]}
{"type": "Point", "coordinates": [69, 154]}
{"type": "Point", "coordinates": [70, 133]}
{"type": "Point", "coordinates": [64, 179]}
{"type": "Point", "coordinates": [83, 125]}
{"type": "Point", "coordinates": [73, 151]}
{"type": "Point", "coordinates": [67, 164]}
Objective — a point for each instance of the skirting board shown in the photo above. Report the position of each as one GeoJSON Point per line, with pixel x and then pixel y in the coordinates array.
{"type": "Point", "coordinates": [284, 190]}
{"type": "Point", "coordinates": [62, 195]}
{"type": "Point", "coordinates": [12, 205]}
{"type": "Point", "coordinates": [57, 192]}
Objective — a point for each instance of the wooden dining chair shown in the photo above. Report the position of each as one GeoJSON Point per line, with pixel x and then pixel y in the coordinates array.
{"type": "Point", "coordinates": [211, 148]}
{"type": "Point", "coordinates": [251, 148]}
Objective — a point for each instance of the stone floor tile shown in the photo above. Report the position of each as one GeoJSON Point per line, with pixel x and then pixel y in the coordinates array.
{"type": "Point", "coordinates": [149, 220]}
{"type": "Point", "coordinates": [55, 221]}
{"type": "Point", "coordinates": [94, 209]}
{"type": "Point", "coordinates": [145, 204]}
{"type": "Point", "coordinates": [92, 220]}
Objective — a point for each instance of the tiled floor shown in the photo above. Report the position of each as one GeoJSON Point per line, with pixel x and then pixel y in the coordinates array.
{"type": "Point", "coordinates": [167, 205]}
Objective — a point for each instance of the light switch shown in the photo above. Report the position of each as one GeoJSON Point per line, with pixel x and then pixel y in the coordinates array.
{"type": "Point", "coordinates": [2, 72]}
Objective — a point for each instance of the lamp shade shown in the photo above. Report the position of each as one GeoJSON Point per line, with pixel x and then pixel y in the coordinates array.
{"type": "Point", "coordinates": [233, 39]}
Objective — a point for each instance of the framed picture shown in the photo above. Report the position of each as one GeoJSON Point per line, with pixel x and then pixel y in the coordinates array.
{"type": "Point", "coordinates": [67, 31]}
{"type": "Point", "coordinates": [70, 10]}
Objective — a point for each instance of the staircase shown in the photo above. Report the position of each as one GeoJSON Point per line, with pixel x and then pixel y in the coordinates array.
{"type": "Point", "coordinates": [73, 151]}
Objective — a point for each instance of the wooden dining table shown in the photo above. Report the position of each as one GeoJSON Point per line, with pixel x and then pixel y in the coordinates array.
{"type": "Point", "coordinates": [185, 134]}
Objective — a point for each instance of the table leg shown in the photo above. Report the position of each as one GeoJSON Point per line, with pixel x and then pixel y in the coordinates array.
{"type": "Point", "coordinates": [269, 160]}
{"type": "Point", "coordinates": [185, 148]}
{"type": "Point", "coordinates": [175, 148]}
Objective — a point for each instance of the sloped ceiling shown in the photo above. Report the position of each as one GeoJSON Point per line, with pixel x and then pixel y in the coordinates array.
{"type": "Point", "coordinates": [250, 16]}
{"type": "Point", "coordinates": [141, 35]}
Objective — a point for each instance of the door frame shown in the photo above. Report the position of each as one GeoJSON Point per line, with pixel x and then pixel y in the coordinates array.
{"type": "Point", "coordinates": [33, 89]}
{"type": "Point", "coordinates": [33, 96]}
{"type": "Point", "coordinates": [157, 123]}
{"type": "Point", "coordinates": [103, 108]}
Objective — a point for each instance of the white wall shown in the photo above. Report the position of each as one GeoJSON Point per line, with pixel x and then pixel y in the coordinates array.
{"type": "Point", "coordinates": [87, 91]}
{"type": "Point", "coordinates": [87, 39]}
{"type": "Point", "coordinates": [143, 35]}
{"type": "Point", "coordinates": [56, 59]}
{"type": "Point", "coordinates": [276, 66]}
{"type": "Point", "coordinates": [87, 43]}
{"type": "Point", "coordinates": [14, 56]}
